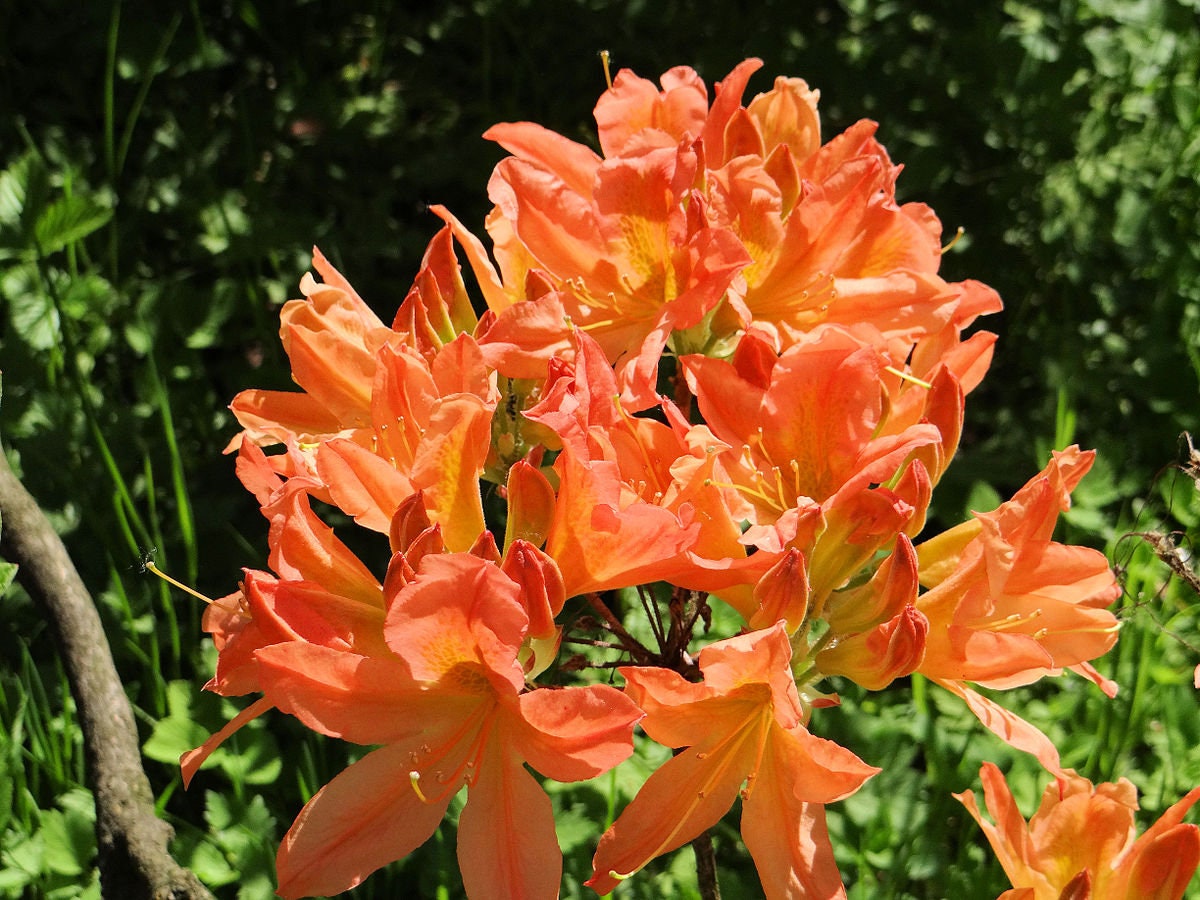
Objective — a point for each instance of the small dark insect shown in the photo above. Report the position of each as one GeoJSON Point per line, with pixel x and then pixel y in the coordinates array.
{"type": "Point", "coordinates": [146, 560]}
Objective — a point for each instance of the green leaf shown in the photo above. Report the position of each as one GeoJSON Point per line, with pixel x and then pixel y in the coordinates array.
{"type": "Point", "coordinates": [13, 189]}
{"type": "Point", "coordinates": [24, 189]}
{"type": "Point", "coordinates": [181, 695]}
{"type": "Point", "coordinates": [208, 862]}
{"type": "Point", "coordinates": [252, 757]}
{"type": "Point", "coordinates": [69, 220]}
{"type": "Point", "coordinates": [7, 787]}
{"type": "Point", "coordinates": [8, 571]}
{"type": "Point", "coordinates": [171, 738]}
{"type": "Point", "coordinates": [88, 295]}
{"type": "Point", "coordinates": [31, 311]}
{"type": "Point", "coordinates": [68, 836]}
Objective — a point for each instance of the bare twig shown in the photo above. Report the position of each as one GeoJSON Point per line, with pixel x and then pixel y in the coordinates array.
{"type": "Point", "coordinates": [132, 840]}
{"type": "Point", "coordinates": [706, 866]}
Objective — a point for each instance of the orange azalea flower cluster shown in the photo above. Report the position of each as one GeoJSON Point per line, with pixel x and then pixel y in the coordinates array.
{"type": "Point", "coordinates": [1081, 844]}
{"type": "Point", "coordinates": [817, 364]}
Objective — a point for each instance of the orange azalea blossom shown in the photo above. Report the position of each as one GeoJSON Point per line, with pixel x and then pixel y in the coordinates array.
{"type": "Point", "coordinates": [803, 425]}
{"type": "Point", "coordinates": [1081, 844]}
{"type": "Point", "coordinates": [635, 500]}
{"type": "Point", "coordinates": [743, 730]}
{"type": "Point", "coordinates": [331, 338]}
{"type": "Point", "coordinates": [323, 595]}
{"type": "Point", "coordinates": [450, 708]}
{"type": "Point", "coordinates": [810, 463]}
{"type": "Point", "coordinates": [384, 413]}
{"type": "Point", "coordinates": [430, 432]}
{"type": "Point", "coordinates": [628, 258]}
{"type": "Point", "coordinates": [1007, 605]}
{"type": "Point", "coordinates": [698, 223]}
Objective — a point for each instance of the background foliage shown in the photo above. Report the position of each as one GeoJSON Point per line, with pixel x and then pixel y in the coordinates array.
{"type": "Point", "coordinates": [166, 168]}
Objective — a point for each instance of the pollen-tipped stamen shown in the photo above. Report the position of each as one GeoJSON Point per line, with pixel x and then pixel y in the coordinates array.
{"type": "Point", "coordinates": [954, 240]}
{"type": "Point", "coordinates": [149, 566]}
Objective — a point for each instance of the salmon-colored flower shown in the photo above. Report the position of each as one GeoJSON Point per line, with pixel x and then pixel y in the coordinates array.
{"type": "Point", "coordinates": [810, 462]}
{"type": "Point", "coordinates": [743, 730]}
{"type": "Point", "coordinates": [1010, 605]}
{"type": "Point", "coordinates": [429, 430]}
{"type": "Point", "coordinates": [635, 500]}
{"type": "Point", "coordinates": [384, 413]}
{"type": "Point", "coordinates": [614, 241]}
{"type": "Point", "coordinates": [806, 427]}
{"type": "Point", "coordinates": [698, 223]}
{"type": "Point", "coordinates": [1007, 605]}
{"type": "Point", "coordinates": [1082, 842]}
{"type": "Point", "coordinates": [331, 337]}
{"type": "Point", "coordinates": [827, 239]}
{"type": "Point", "coordinates": [450, 708]}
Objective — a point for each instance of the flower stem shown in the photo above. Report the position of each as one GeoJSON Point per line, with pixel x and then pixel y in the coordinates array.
{"type": "Point", "coordinates": [706, 866]}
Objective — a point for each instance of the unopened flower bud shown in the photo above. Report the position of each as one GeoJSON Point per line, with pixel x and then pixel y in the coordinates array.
{"type": "Point", "coordinates": [877, 657]}
{"type": "Point", "coordinates": [782, 592]}
{"type": "Point", "coordinates": [890, 589]}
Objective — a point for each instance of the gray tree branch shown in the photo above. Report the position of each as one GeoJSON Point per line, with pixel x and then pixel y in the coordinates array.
{"type": "Point", "coordinates": [132, 839]}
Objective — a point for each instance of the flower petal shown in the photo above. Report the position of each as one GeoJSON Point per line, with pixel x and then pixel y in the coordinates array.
{"type": "Point", "coordinates": [689, 793]}
{"type": "Point", "coordinates": [507, 847]}
{"type": "Point", "coordinates": [576, 733]}
{"type": "Point", "coordinates": [360, 699]}
{"type": "Point", "coordinates": [368, 816]}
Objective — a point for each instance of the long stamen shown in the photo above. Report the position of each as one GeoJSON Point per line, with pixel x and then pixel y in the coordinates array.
{"type": "Point", "coordinates": [466, 771]}
{"type": "Point", "coordinates": [907, 376]}
{"type": "Point", "coordinates": [630, 423]}
{"type": "Point", "coordinates": [149, 566]}
{"type": "Point", "coordinates": [750, 492]}
{"type": "Point", "coordinates": [1016, 620]}
{"type": "Point", "coordinates": [954, 240]}
{"type": "Point", "coordinates": [780, 491]}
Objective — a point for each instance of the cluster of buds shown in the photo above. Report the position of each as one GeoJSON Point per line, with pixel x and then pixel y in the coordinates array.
{"type": "Point", "coordinates": [716, 364]}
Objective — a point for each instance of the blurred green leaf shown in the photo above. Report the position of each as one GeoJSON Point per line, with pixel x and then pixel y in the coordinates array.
{"type": "Point", "coordinates": [68, 220]}
{"type": "Point", "coordinates": [172, 737]}
{"type": "Point", "coordinates": [30, 309]}
{"type": "Point", "coordinates": [8, 572]}
{"type": "Point", "coordinates": [68, 836]}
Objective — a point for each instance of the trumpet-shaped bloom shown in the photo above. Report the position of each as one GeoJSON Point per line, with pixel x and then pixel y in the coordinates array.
{"type": "Point", "coordinates": [614, 239]}
{"type": "Point", "coordinates": [635, 497]}
{"type": "Point", "coordinates": [429, 431]}
{"type": "Point", "coordinates": [448, 705]}
{"type": "Point", "coordinates": [828, 242]}
{"type": "Point", "coordinates": [1007, 605]}
{"type": "Point", "coordinates": [1082, 842]}
{"type": "Point", "coordinates": [743, 730]}
{"type": "Point", "coordinates": [803, 426]}
{"type": "Point", "coordinates": [383, 413]}
{"type": "Point", "coordinates": [1010, 605]}
{"type": "Point", "coordinates": [331, 337]}
{"type": "Point", "coordinates": [809, 456]}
